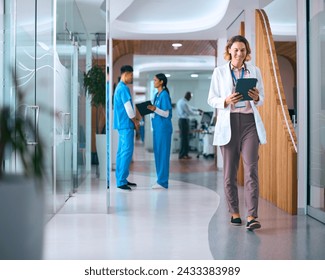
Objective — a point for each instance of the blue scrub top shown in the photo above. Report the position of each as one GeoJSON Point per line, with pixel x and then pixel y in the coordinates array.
{"type": "Point", "coordinates": [121, 96]}
{"type": "Point", "coordinates": [163, 102]}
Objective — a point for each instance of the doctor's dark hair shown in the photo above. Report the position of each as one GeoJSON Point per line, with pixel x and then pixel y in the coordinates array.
{"type": "Point", "coordinates": [162, 77]}
{"type": "Point", "coordinates": [234, 39]}
{"type": "Point", "coordinates": [126, 68]}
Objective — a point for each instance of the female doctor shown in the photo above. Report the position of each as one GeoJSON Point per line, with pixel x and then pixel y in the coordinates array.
{"type": "Point", "coordinates": [239, 128]}
{"type": "Point", "coordinates": [162, 130]}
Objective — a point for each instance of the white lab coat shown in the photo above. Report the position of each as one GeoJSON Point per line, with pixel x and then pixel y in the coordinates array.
{"type": "Point", "coordinates": [222, 86]}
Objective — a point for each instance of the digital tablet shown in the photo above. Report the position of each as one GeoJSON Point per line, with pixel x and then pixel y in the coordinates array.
{"type": "Point", "coordinates": [244, 85]}
{"type": "Point", "coordinates": [142, 108]}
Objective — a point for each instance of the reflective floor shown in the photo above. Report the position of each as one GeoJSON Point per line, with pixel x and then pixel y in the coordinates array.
{"type": "Point", "coordinates": [187, 221]}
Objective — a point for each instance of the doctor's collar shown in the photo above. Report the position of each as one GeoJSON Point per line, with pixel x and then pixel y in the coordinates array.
{"type": "Point", "coordinates": [232, 67]}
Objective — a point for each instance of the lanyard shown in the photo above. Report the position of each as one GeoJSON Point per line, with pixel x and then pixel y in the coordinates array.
{"type": "Point", "coordinates": [234, 79]}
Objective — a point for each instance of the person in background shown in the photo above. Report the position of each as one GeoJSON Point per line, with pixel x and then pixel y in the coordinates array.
{"type": "Point", "coordinates": [162, 130]}
{"type": "Point", "coordinates": [239, 128]}
{"type": "Point", "coordinates": [125, 122]}
{"type": "Point", "coordinates": [184, 111]}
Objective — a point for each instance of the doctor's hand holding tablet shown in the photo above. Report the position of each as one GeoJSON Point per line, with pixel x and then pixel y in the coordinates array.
{"type": "Point", "coordinates": [245, 91]}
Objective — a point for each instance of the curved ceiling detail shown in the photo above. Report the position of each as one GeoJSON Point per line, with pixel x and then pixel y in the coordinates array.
{"type": "Point", "coordinates": [283, 19]}
{"type": "Point", "coordinates": [127, 17]}
{"type": "Point", "coordinates": [145, 63]}
{"type": "Point", "coordinates": [157, 17]}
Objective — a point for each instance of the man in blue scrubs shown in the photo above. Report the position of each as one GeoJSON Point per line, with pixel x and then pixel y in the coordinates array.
{"type": "Point", "coordinates": [125, 122]}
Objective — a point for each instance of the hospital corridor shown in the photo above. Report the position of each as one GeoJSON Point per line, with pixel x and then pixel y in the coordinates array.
{"type": "Point", "coordinates": [189, 221]}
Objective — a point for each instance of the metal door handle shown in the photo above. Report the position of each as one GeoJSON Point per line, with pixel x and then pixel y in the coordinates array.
{"type": "Point", "coordinates": [66, 130]}
{"type": "Point", "coordinates": [34, 109]}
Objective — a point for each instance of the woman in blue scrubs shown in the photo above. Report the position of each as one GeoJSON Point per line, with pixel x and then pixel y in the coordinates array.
{"type": "Point", "coordinates": [162, 130]}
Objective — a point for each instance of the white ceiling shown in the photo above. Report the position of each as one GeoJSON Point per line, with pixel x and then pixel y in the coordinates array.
{"type": "Point", "coordinates": [155, 19]}
{"type": "Point", "coordinates": [181, 20]}
{"type": "Point", "coordinates": [93, 15]}
{"type": "Point", "coordinates": [283, 18]}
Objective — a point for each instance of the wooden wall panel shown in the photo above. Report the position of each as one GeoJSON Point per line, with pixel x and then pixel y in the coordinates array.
{"type": "Point", "coordinates": [163, 47]}
{"type": "Point", "coordinates": [278, 158]}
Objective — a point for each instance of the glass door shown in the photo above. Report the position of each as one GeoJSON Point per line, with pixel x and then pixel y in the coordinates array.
{"type": "Point", "coordinates": [33, 60]}
{"type": "Point", "coordinates": [47, 86]}
{"type": "Point", "coordinates": [316, 123]}
{"type": "Point", "coordinates": [65, 100]}
{"type": "Point", "coordinates": [44, 45]}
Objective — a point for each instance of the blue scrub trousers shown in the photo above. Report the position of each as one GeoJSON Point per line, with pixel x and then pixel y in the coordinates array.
{"type": "Point", "coordinates": [162, 138]}
{"type": "Point", "coordinates": [124, 155]}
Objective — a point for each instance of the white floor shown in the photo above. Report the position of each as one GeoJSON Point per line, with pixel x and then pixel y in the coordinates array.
{"type": "Point", "coordinates": [142, 224]}
{"type": "Point", "coordinates": [189, 221]}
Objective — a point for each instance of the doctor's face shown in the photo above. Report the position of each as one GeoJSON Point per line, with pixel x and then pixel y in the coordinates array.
{"type": "Point", "coordinates": [238, 53]}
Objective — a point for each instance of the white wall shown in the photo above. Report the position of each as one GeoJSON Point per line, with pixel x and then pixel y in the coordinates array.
{"type": "Point", "coordinates": [199, 88]}
{"type": "Point", "coordinates": [287, 77]}
{"type": "Point", "coordinates": [178, 88]}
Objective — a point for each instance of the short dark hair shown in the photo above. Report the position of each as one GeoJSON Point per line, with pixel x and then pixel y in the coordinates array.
{"type": "Point", "coordinates": [126, 68]}
{"type": "Point", "coordinates": [188, 94]}
{"type": "Point", "coordinates": [107, 69]}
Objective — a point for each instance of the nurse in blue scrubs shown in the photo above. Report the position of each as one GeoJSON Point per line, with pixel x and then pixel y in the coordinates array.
{"type": "Point", "coordinates": [162, 130]}
{"type": "Point", "coordinates": [125, 122]}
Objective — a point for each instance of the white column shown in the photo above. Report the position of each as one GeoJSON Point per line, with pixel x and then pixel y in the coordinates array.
{"type": "Point", "coordinates": [74, 113]}
{"type": "Point", "coordinates": [222, 42]}
{"type": "Point", "coordinates": [250, 31]}
{"type": "Point", "coordinates": [88, 110]}
{"type": "Point", "coordinates": [302, 103]}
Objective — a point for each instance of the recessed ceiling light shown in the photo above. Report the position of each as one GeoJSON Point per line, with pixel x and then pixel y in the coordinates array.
{"type": "Point", "coordinates": [176, 45]}
{"type": "Point", "coordinates": [194, 75]}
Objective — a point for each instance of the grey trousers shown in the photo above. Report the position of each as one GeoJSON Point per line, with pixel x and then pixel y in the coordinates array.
{"type": "Point", "coordinates": [244, 140]}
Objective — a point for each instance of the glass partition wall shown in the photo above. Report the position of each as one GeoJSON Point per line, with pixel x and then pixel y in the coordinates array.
{"type": "Point", "coordinates": [42, 43]}
{"type": "Point", "coordinates": [316, 116]}
{"type": "Point", "coordinates": [33, 63]}
{"type": "Point", "coordinates": [69, 100]}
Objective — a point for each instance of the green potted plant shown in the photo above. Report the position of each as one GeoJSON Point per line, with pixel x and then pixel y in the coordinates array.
{"type": "Point", "coordinates": [13, 129]}
{"type": "Point", "coordinates": [21, 195]}
{"type": "Point", "coordinates": [95, 83]}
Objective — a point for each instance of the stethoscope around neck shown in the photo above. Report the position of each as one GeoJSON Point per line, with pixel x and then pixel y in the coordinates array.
{"type": "Point", "coordinates": [243, 71]}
